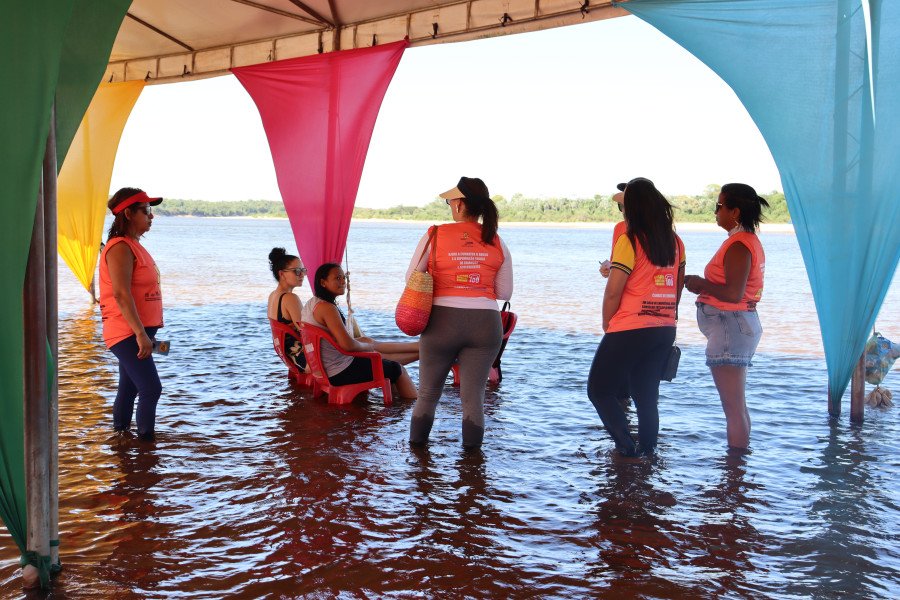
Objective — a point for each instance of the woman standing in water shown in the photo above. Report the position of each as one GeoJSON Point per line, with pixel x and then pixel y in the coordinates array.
{"type": "Point", "coordinates": [472, 269]}
{"type": "Point", "coordinates": [729, 291]}
{"type": "Point", "coordinates": [284, 305]}
{"type": "Point", "coordinates": [132, 310]}
{"type": "Point", "coordinates": [640, 307]}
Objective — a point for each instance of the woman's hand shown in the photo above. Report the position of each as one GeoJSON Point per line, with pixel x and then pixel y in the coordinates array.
{"type": "Point", "coordinates": [145, 346]}
{"type": "Point", "coordinates": [604, 268]}
{"type": "Point", "coordinates": [694, 283]}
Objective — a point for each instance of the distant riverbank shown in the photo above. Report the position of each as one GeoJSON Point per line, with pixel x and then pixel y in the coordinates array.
{"type": "Point", "coordinates": [518, 209]}
{"type": "Point", "coordinates": [681, 226]}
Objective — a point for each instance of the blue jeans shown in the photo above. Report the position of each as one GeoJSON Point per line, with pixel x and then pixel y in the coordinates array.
{"type": "Point", "coordinates": [137, 377]}
{"type": "Point", "coordinates": [632, 358]}
{"type": "Point", "coordinates": [732, 335]}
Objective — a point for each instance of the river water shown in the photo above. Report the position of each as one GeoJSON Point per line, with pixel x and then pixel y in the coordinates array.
{"type": "Point", "coordinates": [256, 490]}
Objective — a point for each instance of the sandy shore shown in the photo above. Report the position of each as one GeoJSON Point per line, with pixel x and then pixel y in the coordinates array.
{"type": "Point", "coordinates": [766, 227]}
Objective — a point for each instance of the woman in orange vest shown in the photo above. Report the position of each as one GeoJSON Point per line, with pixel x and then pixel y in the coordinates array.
{"type": "Point", "coordinates": [131, 308]}
{"type": "Point", "coordinates": [640, 308]}
{"type": "Point", "coordinates": [472, 269]}
{"type": "Point", "coordinates": [729, 290]}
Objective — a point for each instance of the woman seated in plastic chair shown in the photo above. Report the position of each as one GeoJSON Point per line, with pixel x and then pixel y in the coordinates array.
{"type": "Point", "coordinates": [321, 311]}
{"type": "Point", "coordinates": [284, 305]}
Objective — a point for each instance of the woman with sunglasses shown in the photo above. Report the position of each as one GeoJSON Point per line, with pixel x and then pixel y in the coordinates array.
{"type": "Point", "coordinates": [729, 291]}
{"type": "Point", "coordinates": [472, 269]}
{"type": "Point", "coordinates": [131, 308]}
{"type": "Point", "coordinates": [640, 309]}
{"type": "Point", "coordinates": [284, 305]}
{"type": "Point", "coordinates": [341, 369]}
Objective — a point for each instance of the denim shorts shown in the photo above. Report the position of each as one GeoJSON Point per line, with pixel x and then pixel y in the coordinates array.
{"type": "Point", "coordinates": [732, 335]}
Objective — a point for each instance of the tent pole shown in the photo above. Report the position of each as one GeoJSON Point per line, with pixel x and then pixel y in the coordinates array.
{"type": "Point", "coordinates": [840, 124]}
{"type": "Point", "coordinates": [50, 258]}
{"type": "Point", "coordinates": [858, 391]}
{"type": "Point", "coordinates": [37, 416]}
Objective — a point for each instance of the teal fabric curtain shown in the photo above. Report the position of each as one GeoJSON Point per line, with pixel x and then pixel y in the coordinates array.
{"type": "Point", "coordinates": [801, 69]}
{"type": "Point", "coordinates": [37, 39]}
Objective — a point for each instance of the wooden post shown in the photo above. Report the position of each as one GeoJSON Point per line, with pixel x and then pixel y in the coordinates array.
{"type": "Point", "coordinates": [842, 94]}
{"type": "Point", "coordinates": [50, 269]}
{"type": "Point", "coordinates": [37, 414]}
{"type": "Point", "coordinates": [858, 391]}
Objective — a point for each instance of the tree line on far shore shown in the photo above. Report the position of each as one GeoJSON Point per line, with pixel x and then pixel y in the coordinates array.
{"type": "Point", "coordinates": [690, 209]}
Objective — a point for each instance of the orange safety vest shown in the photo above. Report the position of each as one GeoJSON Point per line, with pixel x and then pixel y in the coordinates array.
{"type": "Point", "coordinates": [145, 290]}
{"type": "Point", "coordinates": [461, 264]}
{"type": "Point", "coordinates": [620, 228]}
{"type": "Point", "coordinates": [650, 293]}
{"type": "Point", "coordinates": [715, 273]}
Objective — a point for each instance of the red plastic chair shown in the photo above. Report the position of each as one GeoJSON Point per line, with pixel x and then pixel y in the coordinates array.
{"type": "Point", "coordinates": [508, 319]}
{"type": "Point", "coordinates": [313, 337]}
{"type": "Point", "coordinates": [279, 332]}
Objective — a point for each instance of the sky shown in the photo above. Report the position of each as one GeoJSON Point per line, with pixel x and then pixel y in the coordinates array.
{"type": "Point", "coordinates": [567, 112]}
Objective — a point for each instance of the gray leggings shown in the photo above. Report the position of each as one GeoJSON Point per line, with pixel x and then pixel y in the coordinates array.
{"type": "Point", "coordinates": [471, 335]}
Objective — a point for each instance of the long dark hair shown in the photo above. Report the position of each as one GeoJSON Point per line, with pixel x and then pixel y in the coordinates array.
{"type": "Point", "coordinates": [318, 289]}
{"type": "Point", "coordinates": [279, 260]}
{"type": "Point", "coordinates": [650, 221]}
{"type": "Point", "coordinates": [119, 226]}
{"type": "Point", "coordinates": [744, 198]}
{"type": "Point", "coordinates": [478, 203]}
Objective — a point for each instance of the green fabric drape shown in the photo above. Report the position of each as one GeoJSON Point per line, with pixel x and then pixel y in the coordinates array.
{"type": "Point", "coordinates": [89, 38]}
{"type": "Point", "coordinates": [37, 39]}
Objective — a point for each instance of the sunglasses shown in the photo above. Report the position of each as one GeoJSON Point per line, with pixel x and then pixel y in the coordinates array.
{"type": "Point", "coordinates": [621, 208]}
{"type": "Point", "coordinates": [147, 210]}
{"type": "Point", "coordinates": [299, 272]}
{"type": "Point", "coordinates": [718, 206]}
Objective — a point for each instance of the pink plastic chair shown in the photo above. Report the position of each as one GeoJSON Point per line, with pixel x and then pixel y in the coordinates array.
{"type": "Point", "coordinates": [508, 319]}
{"type": "Point", "coordinates": [279, 332]}
{"type": "Point", "coordinates": [313, 337]}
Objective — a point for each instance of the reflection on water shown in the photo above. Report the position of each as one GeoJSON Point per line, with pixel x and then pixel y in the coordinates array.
{"type": "Point", "coordinates": [257, 490]}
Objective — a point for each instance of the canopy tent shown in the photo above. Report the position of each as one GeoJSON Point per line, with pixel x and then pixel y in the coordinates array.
{"type": "Point", "coordinates": [184, 39]}
{"type": "Point", "coordinates": [66, 41]}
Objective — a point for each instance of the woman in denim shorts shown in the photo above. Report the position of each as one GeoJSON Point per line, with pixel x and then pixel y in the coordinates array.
{"type": "Point", "coordinates": [729, 290]}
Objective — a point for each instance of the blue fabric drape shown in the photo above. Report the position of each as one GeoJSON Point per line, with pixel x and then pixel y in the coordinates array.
{"type": "Point", "coordinates": [801, 69]}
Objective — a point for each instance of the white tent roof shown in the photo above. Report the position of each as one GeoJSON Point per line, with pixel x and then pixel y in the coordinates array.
{"type": "Point", "coordinates": [170, 40]}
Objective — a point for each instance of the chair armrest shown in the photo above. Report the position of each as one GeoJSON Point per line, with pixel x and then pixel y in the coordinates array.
{"type": "Point", "coordinates": [375, 357]}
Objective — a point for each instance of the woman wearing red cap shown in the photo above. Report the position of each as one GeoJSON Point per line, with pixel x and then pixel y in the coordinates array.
{"type": "Point", "coordinates": [472, 269]}
{"type": "Point", "coordinates": [131, 306]}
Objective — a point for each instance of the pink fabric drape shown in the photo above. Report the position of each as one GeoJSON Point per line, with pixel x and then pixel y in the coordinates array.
{"type": "Point", "coordinates": [318, 113]}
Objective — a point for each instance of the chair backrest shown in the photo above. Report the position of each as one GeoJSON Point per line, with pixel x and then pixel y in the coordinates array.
{"type": "Point", "coordinates": [508, 320]}
{"type": "Point", "coordinates": [279, 332]}
{"type": "Point", "coordinates": [312, 337]}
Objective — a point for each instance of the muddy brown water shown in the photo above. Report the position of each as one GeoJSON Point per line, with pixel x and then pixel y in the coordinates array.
{"type": "Point", "coordinates": [257, 490]}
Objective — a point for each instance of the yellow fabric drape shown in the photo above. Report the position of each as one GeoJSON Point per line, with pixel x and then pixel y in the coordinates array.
{"type": "Point", "coordinates": [83, 184]}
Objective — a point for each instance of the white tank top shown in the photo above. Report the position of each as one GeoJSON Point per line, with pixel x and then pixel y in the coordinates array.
{"type": "Point", "coordinates": [332, 359]}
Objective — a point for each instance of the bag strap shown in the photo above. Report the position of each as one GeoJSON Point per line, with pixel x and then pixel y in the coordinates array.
{"type": "Point", "coordinates": [505, 307]}
{"type": "Point", "coordinates": [432, 244]}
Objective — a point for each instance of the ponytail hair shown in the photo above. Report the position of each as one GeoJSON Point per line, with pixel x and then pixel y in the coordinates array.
{"type": "Point", "coordinates": [478, 203]}
{"type": "Point", "coordinates": [278, 260]}
{"type": "Point", "coordinates": [744, 198]}
{"type": "Point", "coordinates": [650, 221]}
{"type": "Point", "coordinates": [318, 289]}
{"type": "Point", "coordinates": [119, 226]}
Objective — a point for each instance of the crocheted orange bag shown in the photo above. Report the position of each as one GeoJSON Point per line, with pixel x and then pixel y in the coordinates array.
{"type": "Point", "coordinates": [414, 307]}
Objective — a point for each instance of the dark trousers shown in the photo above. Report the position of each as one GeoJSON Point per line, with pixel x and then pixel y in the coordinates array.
{"type": "Point", "coordinates": [633, 358]}
{"type": "Point", "coordinates": [471, 336]}
{"type": "Point", "coordinates": [137, 377]}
